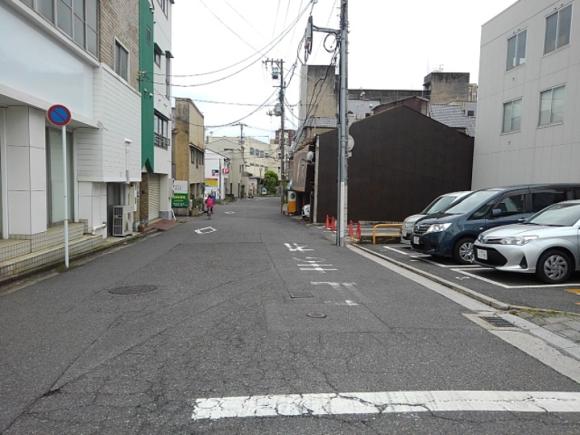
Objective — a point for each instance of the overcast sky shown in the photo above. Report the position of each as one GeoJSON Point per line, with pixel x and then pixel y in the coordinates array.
{"type": "Point", "coordinates": [393, 45]}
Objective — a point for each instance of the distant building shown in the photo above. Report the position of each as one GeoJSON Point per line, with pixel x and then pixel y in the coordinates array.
{"type": "Point", "coordinates": [189, 146]}
{"type": "Point", "coordinates": [528, 129]}
{"type": "Point", "coordinates": [217, 172]}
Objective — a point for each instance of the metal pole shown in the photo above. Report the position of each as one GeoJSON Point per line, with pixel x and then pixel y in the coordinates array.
{"type": "Point", "coordinates": [65, 185]}
{"type": "Point", "coordinates": [282, 139]}
{"type": "Point", "coordinates": [343, 127]}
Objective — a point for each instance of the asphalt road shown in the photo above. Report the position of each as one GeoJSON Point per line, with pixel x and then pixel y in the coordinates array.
{"type": "Point", "coordinates": [510, 288]}
{"type": "Point", "coordinates": [236, 312]}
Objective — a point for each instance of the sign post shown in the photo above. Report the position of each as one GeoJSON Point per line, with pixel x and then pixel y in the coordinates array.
{"type": "Point", "coordinates": [59, 116]}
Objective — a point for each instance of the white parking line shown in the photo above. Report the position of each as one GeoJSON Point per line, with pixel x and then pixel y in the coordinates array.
{"type": "Point", "coordinates": [427, 259]}
{"type": "Point", "coordinates": [388, 402]}
{"type": "Point", "coordinates": [499, 284]}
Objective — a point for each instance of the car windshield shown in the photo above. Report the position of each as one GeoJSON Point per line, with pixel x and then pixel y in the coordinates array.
{"type": "Point", "coordinates": [558, 215]}
{"type": "Point", "coordinates": [472, 202]}
{"type": "Point", "coordinates": [440, 204]}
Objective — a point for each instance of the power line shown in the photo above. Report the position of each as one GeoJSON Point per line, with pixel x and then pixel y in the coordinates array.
{"type": "Point", "coordinates": [226, 26]}
{"type": "Point", "coordinates": [259, 52]}
{"type": "Point", "coordinates": [282, 36]}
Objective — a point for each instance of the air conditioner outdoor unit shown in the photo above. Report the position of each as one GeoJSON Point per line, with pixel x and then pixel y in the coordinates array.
{"type": "Point", "coordinates": [122, 220]}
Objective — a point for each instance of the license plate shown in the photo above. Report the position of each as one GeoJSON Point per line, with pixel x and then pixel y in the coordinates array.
{"type": "Point", "coordinates": [416, 240]}
{"type": "Point", "coordinates": [482, 254]}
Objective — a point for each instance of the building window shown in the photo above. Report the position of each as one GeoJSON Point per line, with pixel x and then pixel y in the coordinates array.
{"type": "Point", "coordinates": [252, 151]}
{"type": "Point", "coordinates": [516, 54]}
{"type": "Point", "coordinates": [75, 18]}
{"type": "Point", "coordinates": [512, 116]}
{"type": "Point", "coordinates": [558, 29]}
{"type": "Point", "coordinates": [552, 106]}
{"type": "Point", "coordinates": [161, 131]}
{"type": "Point", "coordinates": [121, 60]}
{"type": "Point", "coordinates": [192, 155]}
{"type": "Point", "coordinates": [157, 56]}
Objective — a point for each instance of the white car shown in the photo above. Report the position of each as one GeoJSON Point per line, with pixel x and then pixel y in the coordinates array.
{"type": "Point", "coordinates": [547, 244]}
{"type": "Point", "coordinates": [440, 204]}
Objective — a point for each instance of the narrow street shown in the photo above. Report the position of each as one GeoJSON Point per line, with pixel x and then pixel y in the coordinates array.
{"type": "Point", "coordinates": [254, 304]}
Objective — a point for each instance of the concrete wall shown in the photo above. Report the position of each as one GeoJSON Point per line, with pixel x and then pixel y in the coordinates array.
{"type": "Point", "coordinates": [447, 87]}
{"type": "Point", "coordinates": [533, 154]}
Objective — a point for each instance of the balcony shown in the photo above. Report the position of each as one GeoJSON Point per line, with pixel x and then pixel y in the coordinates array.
{"type": "Point", "coordinates": [161, 142]}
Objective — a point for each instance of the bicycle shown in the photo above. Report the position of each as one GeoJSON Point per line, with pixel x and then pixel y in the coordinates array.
{"type": "Point", "coordinates": [209, 212]}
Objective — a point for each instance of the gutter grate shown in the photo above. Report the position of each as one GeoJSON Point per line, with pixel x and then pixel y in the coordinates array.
{"type": "Point", "coordinates": [498, 322]}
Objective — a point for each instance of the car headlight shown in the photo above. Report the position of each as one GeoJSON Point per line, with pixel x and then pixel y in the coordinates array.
{"type": "Point", "coordinates": [479, 238]}
{"type": "Point", "coordinates": [517, 241]}
{"type": "Point", "coordinates": [437, 228]}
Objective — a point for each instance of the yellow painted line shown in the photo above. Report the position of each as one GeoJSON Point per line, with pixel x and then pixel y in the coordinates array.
{"type": "Point", "coordinates": [574, 291]}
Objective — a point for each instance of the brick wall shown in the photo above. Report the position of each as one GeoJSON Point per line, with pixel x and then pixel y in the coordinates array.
{"type": "Point", "coordinates": [119, 19]}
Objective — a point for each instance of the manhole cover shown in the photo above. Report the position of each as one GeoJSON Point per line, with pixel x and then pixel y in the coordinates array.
{"type": "Point", "coordinates": [316, 315]}
{"type": "Point", "coordinates": [132, 289]}
{"type": "Point", "coordinates": [498, 322]}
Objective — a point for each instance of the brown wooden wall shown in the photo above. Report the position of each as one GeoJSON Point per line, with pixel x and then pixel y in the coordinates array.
{"type": "Point", "coordinates": [401, 161]}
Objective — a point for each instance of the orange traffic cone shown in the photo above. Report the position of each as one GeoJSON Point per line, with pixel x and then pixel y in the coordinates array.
{"type": "Point", "coordinates": [358, 231]}
{"type": "Point", "coordinates": [350, 230]}
{"type": "Point", "coordinates": [327, 223]}
{"type": "Point", "coordinates": [333, 224]}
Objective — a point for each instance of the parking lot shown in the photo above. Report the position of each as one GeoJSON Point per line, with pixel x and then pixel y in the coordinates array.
{"type": "Point", "coordinates": [510, 288]}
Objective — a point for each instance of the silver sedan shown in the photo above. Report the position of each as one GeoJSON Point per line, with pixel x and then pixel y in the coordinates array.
{"type": "Point", "coordinates": [547, 244]}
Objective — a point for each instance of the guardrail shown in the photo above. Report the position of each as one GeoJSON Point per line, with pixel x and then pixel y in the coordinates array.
{"type": "Point", "coordinates": [377, 233]}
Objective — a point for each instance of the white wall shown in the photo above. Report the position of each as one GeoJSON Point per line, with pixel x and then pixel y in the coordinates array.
{"type": "Point", "coordinates": [26, 170]}
{"type": "Point", "coordinates": [102, 155]}
{"type": "Point", "coordinates": [40, 67]}
{"type": "Point", "coordinates": [534, 154]}
{"type": "Point", "coordinates": [162, 37]}
{"type": "Point", "coordinates": [93, 205]}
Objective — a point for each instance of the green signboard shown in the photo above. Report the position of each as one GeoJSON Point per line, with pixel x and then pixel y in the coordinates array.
{"type": "Point", "coordinates": [180, 200]}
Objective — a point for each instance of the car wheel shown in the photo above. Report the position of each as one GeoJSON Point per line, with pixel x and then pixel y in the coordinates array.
{"type": "Point", "coordinates": [554, 267]}
{"type": "Point", "coordinates": [463, 252]}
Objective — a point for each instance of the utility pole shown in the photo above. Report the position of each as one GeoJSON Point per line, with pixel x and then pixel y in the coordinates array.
{"type": "Point", "coordinates": [342, 188]}
{"type": "Point", "coordinates": [278, 72]}
{"type": "Point", "coordinates": [342, 179]}
{"type": "Point", "coordinates": [242, 125]}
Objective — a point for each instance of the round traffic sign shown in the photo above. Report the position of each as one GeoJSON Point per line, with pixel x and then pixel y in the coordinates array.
{"type": "Point", "coordinates": [59, 115]}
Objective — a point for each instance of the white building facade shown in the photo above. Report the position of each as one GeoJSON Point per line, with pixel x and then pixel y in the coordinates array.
{"type": "Point", "coordinates": [56, 59]}
{"type": "Point", "coordinates": [159, 181]}
{"type": "Point", "coordinates": [529, 96]}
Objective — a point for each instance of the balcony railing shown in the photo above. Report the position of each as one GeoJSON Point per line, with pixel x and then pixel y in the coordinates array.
{"type": "Point", "coordinates": [161, 142]}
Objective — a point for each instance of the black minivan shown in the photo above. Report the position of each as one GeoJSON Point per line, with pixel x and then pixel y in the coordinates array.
{"type": "Point", "coordinates": [452, 233]}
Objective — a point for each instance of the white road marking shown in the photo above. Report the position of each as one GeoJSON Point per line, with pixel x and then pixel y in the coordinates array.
{"type": "Point", "coordinates": [393, 402]}
{"type": "Point", "coordinates": [295, 247]}
{"type": "Point", "coordinates": [205, 230]}
{"type": "Point", "coordinates": [314, 264]}
{"type": "Point", "coordinates": [499, 284]}
{"type": "Point", "coordinates": [426, 259]}
{"type": "Point", "coordinates": [346, 303]}
{"type": "Point", "coordinates": [230, 212]}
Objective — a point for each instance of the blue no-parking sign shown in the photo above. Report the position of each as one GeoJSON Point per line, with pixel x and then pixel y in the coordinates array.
{"type": "Point", "coordinates": [59, 115]}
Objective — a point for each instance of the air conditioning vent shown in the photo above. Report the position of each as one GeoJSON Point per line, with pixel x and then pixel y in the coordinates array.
{"type": "Point", "coordinates": [122, 220]}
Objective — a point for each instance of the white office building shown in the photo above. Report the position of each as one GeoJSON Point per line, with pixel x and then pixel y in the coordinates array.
{"type": "Point", "coordinates": [50, 52]}
{"type": "Point", "coordinates": [529, 96]}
